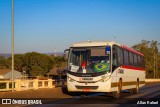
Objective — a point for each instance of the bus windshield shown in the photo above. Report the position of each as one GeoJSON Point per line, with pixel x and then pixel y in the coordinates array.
{"type": "Point", "coordinates": [89, 60]}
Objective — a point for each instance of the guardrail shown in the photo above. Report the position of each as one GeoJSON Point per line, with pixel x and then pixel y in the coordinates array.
{"type": "Point", "coordinates": [152, 80]}
{"type": "Point", "coordinates": [25, 84]}
{"type": "Point", "coordinates": [5, 85]}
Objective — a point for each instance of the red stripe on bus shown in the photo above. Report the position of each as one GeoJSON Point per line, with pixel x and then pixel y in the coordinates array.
{"type": "Point", "coordinates": [132, 67]}
{"type": "Point", "coordinates": [132, 50]}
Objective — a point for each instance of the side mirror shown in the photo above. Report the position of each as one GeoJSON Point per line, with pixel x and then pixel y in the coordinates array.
{"type": "Point", "coordinates": [65, 54]}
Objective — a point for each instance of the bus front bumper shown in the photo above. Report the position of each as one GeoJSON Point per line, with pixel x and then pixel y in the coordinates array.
{"type": "Point", "coordinates": [89, 87]}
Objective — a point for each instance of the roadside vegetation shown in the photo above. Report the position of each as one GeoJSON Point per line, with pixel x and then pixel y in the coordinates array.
{"type": "Point", "coordinates": [37, 64]}
{"type": "Point", "coordinates": [33, 63]}
{"type": "Point", "coordinates": [151, 55]}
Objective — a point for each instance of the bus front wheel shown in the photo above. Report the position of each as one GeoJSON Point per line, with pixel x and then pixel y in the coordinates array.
{"type": "Point", "coordinates": [117, 93]}
{"type": "Point", "coordinates": [136, 90]}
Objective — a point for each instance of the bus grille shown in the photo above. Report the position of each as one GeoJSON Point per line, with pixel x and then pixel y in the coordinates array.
{"type": "Point", "coordinates": [87, 87]}
{"type": "Point", "coordinates": [87, 81]}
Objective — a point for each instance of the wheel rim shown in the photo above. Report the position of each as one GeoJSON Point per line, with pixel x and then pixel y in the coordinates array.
{"type": "Point", "coordinates": [119, 88]}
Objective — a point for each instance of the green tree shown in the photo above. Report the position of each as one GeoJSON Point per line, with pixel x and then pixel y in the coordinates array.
{"type": "Point", "coordinates": [150, 51]}
{"type": "Point", "coordinates": [37, 71]}
{"type": "Point", "coordinates": [4, 63]}
{"type": "Point", "coordinates": [18, 62]}
{"type": "Point", "coordinates": [35, 61]}
{"type": "Point", "coordinates": [58, 62]}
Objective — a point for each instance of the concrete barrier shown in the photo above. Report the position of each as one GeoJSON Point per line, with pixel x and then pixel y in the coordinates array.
{"type": "Point", "coordinates": [26, 84]}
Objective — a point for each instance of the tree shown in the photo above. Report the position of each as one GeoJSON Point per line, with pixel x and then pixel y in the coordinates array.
{"type": "Point", "coordinates": [150, 51]}
{"type": "Point", "coordinates": [58, 62]}
{"type": "Point", "coordinates": [37, 64]}
{"type": "Point", "coordinates": [18, 62]}
{"type": "Point", "coordinates": [4, 63]}
{"type": "Point", "coordinates": [37, 71]}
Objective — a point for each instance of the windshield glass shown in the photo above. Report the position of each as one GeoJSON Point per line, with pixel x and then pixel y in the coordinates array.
{"type": "Point", "coordinates": [89, 60]}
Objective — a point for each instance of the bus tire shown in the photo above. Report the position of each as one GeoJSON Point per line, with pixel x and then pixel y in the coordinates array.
{"type": "Point", "coordinates": [136, 90]}
{"type": "Point", "coordinates": [117, 93]}
{"type": "Point", "coordinates": [65, 90]}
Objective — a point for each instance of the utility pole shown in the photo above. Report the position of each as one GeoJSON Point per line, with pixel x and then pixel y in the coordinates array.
{"type": "Point", "coordinates": [55, 53]}
{"type": "Point", "coordinates": [12, 45]}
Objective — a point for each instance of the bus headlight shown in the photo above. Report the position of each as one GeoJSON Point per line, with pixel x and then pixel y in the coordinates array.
{"type": "Point", "coordinates": [70, 79]}
{"type": "Point", "coordinates": [104, 79]}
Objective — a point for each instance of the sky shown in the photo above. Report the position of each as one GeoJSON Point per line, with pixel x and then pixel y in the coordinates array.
{"type": "Point", "coordinates": [46, 25]}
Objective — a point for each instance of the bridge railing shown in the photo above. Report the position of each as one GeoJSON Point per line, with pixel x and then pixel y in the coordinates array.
{"type": "Point", "coordinates": [152, 80]}
{"type": "Point", "coordinates": [26, 84]}
{"type": "Point", "coordinates": [5, 85]}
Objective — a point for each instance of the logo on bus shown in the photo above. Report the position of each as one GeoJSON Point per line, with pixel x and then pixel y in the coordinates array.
{"type": "Point", "coordinates": [121, 71]}
{"type": "Point", "coordinates": [88, 79]}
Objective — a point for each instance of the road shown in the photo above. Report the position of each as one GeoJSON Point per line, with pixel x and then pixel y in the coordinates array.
{"type": "Point", "coordinates": [148, 94]}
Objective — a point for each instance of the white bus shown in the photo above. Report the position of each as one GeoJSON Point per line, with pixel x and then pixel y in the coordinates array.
{"type": "Point", "coordinates": [101, 66]}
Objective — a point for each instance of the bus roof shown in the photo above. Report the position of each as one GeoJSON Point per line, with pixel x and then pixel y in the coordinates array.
{"type": "Point", "coordinates": [132, 50]}
{"type": "Point", "coordinates": [103, 43]}
{"type": "Point", "coordinates": [94, 43]}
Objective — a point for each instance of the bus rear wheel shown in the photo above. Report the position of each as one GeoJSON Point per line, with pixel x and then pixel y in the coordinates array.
{"type": "Point", "coordinates": [117, 93]}
{"type": "Point", "coordinates": [136, 90]}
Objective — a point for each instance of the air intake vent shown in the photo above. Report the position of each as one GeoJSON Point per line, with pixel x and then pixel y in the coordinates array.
{"type": "Point", "coordinates": [87, 87]}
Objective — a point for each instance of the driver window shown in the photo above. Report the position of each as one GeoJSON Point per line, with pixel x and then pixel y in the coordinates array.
{"type": "Point", "coordinates": [114, 60]}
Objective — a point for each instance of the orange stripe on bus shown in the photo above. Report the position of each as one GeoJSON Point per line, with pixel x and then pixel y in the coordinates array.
{"type": "Point", "coordinates": [132, 67]}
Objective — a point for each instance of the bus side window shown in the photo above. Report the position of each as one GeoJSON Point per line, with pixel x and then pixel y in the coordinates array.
{"type": "Point", "coordinates": [139, 61]}
{"type": "Point", "coordinates": [131, 58]}
{"type": "Point", "coordinates": [120, 56]}
{"type": "Point", "coordinates": [135, 60]}
{"type": "Point", "coordinates": [114, 60]}
{"type": "Point", "coordinates": [126, 58]}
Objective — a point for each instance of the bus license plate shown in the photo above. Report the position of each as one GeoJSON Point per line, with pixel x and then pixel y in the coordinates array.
{"type": "Point", "coordinates": [87, 79]}
{"type": "Point", "coordinates": [86, 90]}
